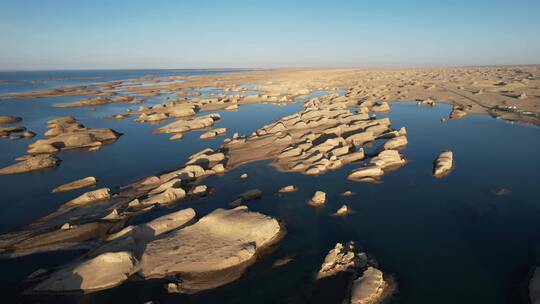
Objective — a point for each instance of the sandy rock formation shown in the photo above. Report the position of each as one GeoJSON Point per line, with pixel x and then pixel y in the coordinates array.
{"type": "Point", "coordinates": [387, 159]}
{"type": "Point", "coordinates": [7, 131]}
{"type": "Point", "coordinates": [381, 107]}
{"type": "Point", "coordinates": [212, 252]}
{"type": "Point", "coordinates": [342, 211]}
{"type": "Point", "coordinates": [90, 198]}
{"type": "Point", "coordinates": [287, 189]}
{"type": "Point", "coordinates": [182, 126]}
{"type": "Point", "coordinates": [443, 164]}
{"type": "Point", "coordinates": [77, 184]}
{"type": "Point", "coordinates": [343, 258]}
{"type": "Point", "coordinates": [457, 113]}
{"type": "Point", "coordinates": [143, 233]}
{"type": "Point", "coordinates": [366, 174]}
{"type": "Point", "coordinates": [33, 163]}
{"type": "Point", "coordinates": [101, 272]}
{"type": "Point", "coordinates": [213, 133]}
{"type": "Point", "coordinates": [200, 190]}
{"type": "Point", "coordinates": [370, 288]}
{"type": "Point", "coordinates": [65, 133]}
{"type": "Point", "coordinates": [319, 198]}
{"type": "Point", "coordinates": [395, 143]}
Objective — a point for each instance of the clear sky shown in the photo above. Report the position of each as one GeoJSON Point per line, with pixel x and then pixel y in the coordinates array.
{"type": "Point", "coordinates": [77, 34]}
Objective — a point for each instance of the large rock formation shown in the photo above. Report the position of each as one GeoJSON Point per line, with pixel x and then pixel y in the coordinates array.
{"type": "Point", "coordinates": [33, 163]}
{"type": "Point", "coordinates": [213, 252]}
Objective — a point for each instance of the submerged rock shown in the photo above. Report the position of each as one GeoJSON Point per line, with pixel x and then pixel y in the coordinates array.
{"type": "Point", "coordinates": [101, 272]}
{"type": "Point", "coordinates": [502, 192]}
{"type": "Point", "coordinates": [8, 119]}
{"type": "Point", "coordinates": [33, 163]}
{"type": "Point", "coordinates": [80, 183]}
{"type": "Point", "coordinates": [252, 194]}
{"type": "Point", "coordinates": [534, 287]}
{"type": "Point", "coordinates": [212, 252]}
{"type": "Point", "coordinates": [443, 164]}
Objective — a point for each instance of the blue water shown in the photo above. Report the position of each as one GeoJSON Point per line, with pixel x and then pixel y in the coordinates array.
{"type": "Point", "coordinates": [11, 82]}
{"type": "Point", "coordinates": [447, 240]}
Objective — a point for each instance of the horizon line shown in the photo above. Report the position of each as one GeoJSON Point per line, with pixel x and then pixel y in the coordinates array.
{"type": "Point", "coordinates": [271, 68]}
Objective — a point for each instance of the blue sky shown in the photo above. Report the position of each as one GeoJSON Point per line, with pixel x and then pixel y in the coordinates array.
{"type": "Point", "coordinates": [58, 34]}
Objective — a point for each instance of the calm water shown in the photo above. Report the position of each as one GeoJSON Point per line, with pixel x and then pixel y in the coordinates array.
{"type": "Point", "coordinates": [39, 80]}
{"type": "Point", "coordinates": [447, 240]}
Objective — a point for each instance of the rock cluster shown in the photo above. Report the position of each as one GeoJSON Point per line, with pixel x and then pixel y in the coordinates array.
{"type": "Point", "coordinates": [7, 132]}
{"type": "Point", "coordinates": [171, 109]}
{"type": "Point", "coordinates": [116, 260]}
{"type": "Point", "coordinates": [65, 133]}
{"type": "Point", "coordinates": [343, 258]}
{"type": "Point", "coordinates": [325, 136]}
{"type": "Point", "coordinates": [386, 159]}
{"type": "Point", "coordinates": [369, 287]}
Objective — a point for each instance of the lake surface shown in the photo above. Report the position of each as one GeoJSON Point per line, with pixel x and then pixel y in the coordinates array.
{"type": "Point", "coordinates": [449, 240]}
